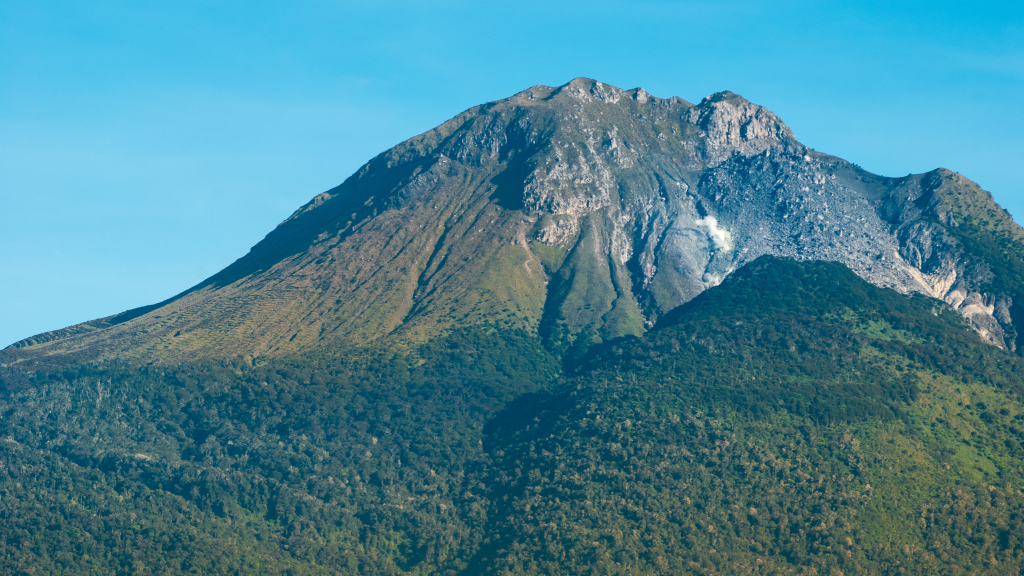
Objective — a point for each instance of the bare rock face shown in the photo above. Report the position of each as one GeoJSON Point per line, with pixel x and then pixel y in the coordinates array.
{"type": "Point", "coordinates": [583, 212]}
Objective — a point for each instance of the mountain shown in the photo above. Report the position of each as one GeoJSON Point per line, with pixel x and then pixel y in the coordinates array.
{"type": "Point", "coordinates": [580, 213]}
{"type": "Point", "coordinates": [580, 330]}
{"type": "Point", "coordinates": [792, 420]}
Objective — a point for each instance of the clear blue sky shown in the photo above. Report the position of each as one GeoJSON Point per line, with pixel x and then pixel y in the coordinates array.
{"type": "Point", "coordinates": [146, 145]}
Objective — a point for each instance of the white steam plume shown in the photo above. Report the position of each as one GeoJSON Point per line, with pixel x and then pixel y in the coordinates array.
{"type": "Point", "coordinates": [721, 238]}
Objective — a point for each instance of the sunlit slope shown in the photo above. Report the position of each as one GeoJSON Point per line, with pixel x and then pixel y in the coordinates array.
{"type": "Point", "coordinates": [580, 213]}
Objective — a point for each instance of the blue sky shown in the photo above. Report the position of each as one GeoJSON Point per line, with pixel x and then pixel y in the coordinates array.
{"type": "Point", "coordinates": [146, 145]}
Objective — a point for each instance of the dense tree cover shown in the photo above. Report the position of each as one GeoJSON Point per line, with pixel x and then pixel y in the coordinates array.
{"type": "Point", "coordinates": [793, 420]}
{"type": "Point", "coordinates": [355, 462]}
{"type": "Point", "coordinates": [796, 420]}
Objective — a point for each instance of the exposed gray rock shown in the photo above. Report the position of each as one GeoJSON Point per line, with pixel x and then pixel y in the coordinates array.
{"type": "Point", "coordinates": [691, 193]}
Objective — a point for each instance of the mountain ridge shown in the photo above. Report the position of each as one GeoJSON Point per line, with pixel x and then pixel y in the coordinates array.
{"type": "Point", "coordinates": [582, 212]}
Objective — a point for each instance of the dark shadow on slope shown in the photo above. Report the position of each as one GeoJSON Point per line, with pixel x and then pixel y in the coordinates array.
{"type": "Point", "coordinates": [517, 153]}
{"type": "Point", "coordinates": [509, 184]}
{"type": "Point", "coordinates": [530, 417]}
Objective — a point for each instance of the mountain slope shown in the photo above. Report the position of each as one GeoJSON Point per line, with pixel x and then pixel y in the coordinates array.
{"type": "Point", "coordinates": [792, 419]}
{"type": "Point", "coordinates": [581, 213]}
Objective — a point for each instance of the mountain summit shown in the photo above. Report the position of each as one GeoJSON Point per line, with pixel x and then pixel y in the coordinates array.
{"type": "Point", "coordinates": [582, 213]}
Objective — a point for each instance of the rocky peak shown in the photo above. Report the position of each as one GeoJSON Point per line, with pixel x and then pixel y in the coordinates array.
{"type": "Point", "coordinates": [731, 124]}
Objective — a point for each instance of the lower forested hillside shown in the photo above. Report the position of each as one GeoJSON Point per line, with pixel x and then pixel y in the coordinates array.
{"type": "Point", "coordinates": [794, 420]}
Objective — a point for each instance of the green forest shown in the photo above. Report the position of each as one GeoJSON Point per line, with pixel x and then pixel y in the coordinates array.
{"type": "Point", "coordinates": [793, 420]}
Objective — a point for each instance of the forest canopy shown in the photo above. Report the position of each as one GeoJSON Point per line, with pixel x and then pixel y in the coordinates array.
{"type": "Point", "coordinates": [792, 420]}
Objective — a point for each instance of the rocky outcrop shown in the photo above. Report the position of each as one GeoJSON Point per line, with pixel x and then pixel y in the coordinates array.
{"type": "Point", "coordinates": [583, 212]}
